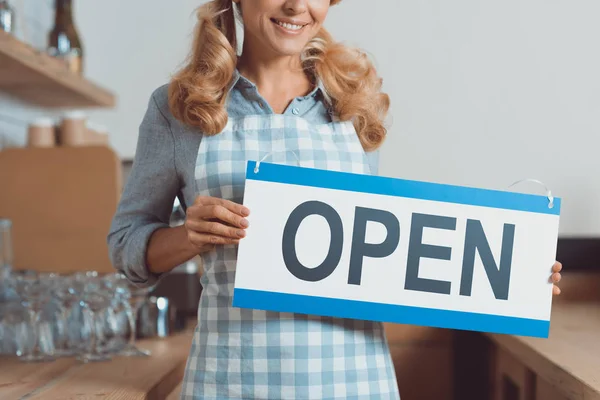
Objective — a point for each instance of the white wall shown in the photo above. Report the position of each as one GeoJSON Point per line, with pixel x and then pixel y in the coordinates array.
{"type": "Point", "coordinates": [150, 39]}
{"type": "Point", "coordinates": [483, 93]}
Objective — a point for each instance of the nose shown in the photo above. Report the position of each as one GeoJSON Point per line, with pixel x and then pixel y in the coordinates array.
{"type": "Point", "coordinates": [295, 7]}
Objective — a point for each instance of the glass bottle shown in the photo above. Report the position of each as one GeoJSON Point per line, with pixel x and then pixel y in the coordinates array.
{"type": "Point", "coordinates": [7, 17]}
{"type": "Point", "coordinates": [63, 40]}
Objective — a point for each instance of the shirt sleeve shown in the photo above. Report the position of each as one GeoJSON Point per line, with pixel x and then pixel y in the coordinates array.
{"type": "Point", "coordinates": [147, 200]}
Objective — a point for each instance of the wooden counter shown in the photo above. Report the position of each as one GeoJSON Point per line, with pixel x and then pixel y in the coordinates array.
{"type": "Point", "coordinates": [154, 377]}
{"type": "Point", "coordinates": [564, 366]}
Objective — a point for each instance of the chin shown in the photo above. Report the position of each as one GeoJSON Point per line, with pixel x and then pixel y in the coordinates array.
{"type": "Point", "coordinates": [288, 48]}
{"type": "Point", "coordinates": [290, 51]}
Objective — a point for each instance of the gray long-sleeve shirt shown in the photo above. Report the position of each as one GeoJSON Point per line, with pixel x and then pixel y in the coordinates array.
{"type": "Point", "coordinates": [163, 169]}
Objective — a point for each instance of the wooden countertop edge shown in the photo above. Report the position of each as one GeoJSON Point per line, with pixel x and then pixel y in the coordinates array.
{"type": "Point", "coordinates": [562, 380]}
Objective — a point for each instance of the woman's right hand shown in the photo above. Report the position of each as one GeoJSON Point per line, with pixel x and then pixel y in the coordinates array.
{"type": "Point", "coordinates": [212, 221]}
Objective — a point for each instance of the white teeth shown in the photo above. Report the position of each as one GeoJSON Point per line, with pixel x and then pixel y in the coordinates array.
{"type": "Point", "coordinates": [290, 26]}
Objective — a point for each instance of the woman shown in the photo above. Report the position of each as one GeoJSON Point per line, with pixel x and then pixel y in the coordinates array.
{"type": "Point", "coordinates": [217, 112]}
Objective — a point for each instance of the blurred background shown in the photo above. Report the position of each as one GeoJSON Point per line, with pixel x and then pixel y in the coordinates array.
{"type": "Point", "coordinates": [482, 94]}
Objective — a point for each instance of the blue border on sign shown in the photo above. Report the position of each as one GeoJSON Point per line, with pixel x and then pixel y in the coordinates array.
{"type": "Point", "coordinates": [354, 309]}
{"type": "Point", "coordinates": [294, 175]}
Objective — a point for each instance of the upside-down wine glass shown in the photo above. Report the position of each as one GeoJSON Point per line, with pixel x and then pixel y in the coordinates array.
{"type": "Point", "coordinates": [96, 297]}
{"type": "Point", "coordinates": [135, 296]}
{"type": "Point", "coordinates": [68, 291]}
{"type": "Point", "coordinates": [34, 293]}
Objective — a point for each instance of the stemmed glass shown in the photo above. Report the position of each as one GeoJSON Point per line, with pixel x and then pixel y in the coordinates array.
{"type": "Point", "coordinates": [118, 320]}
{"type": "Point", "coordinates": [34, 293]}
{"type": "Point", "coordinates": [95, 297]}
{"type": "Point", "coordinates": [135, 297]}
{"type": "Point", "coordinates": [13, 321]}
{"type": "Point", "coordinates": [68, 291]}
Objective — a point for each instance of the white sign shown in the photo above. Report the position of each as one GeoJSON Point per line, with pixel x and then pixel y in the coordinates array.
{"type": "Point", "coordinates": [391, 250]}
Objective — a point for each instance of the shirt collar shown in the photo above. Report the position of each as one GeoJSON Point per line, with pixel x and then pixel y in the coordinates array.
{"type": "Point", "coordinates": [239, 81]}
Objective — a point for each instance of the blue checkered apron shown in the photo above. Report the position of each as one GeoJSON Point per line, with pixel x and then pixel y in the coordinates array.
{"type": "Point", "coordinates": [251, 354]}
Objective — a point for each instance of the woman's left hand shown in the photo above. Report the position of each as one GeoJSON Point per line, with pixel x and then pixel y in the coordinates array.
{"type": "Point", "coordinates": [556, 277]}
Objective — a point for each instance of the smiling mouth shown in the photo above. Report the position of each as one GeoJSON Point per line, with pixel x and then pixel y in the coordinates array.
{"type": "Point", "coordinates": [287, 25]}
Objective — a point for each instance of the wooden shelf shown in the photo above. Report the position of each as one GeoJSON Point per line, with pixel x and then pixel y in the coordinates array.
{"type": "Point", "coordinates": [44, 81]}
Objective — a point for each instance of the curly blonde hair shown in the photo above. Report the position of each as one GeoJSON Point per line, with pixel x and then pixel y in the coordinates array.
{"type": "Point", "coordinates": [198, 92]}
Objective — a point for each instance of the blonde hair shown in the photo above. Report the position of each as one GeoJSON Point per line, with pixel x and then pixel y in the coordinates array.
{"type": "Point", "coordinates": [198, 92]}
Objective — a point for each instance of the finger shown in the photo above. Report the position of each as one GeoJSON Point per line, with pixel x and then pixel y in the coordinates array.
{"type": "Point", "coordinates": [223, 214]}
{"type": "Point", "coordinates": [230, 205]}
{"type": "Point", "coordinates": [555, 290]}
{"type": "Point", "coordinates": [556, 277]}
{"type": "Point", "coordinates": [557, 267]}
{"type": "Point", "coordinates": [203, 239]}
{"type": "Point", "coordinates": [214, 228]}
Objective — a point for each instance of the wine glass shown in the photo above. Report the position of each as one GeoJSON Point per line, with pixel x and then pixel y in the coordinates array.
{"type": "Point", "coordinates": [117, 323]}
{"type": "Point", "coordinates": [68, 291]}
{"type": "Point", "coordinates": [79, 328]}
{"type": "Point", "coordinates": [95, 297]}
{"type": "Point", "coordinates": [34, 292]}
{"type": "Point", "coordinates": [13, 328]}
{"type": "Point", "coordinates": [135, 297]}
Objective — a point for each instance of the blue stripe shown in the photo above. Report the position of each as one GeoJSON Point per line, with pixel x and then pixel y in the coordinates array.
{"type": "Point", "coordinates": [353, 309]}
{"type": "Point", "coordinates": [401, 188]}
